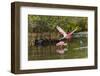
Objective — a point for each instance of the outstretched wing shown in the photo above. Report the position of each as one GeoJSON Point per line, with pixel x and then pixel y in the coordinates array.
{"type": "Point", "coordinates": [73, 30]}
{"type": "Point", "coordinates": [61, 31]}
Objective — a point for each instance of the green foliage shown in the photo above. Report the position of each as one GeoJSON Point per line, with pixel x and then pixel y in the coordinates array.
{"type": "Point", "coordinates": [40, 23]}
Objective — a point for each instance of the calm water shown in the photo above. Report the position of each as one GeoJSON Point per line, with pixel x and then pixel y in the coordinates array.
{"type": "Point", "coordinates": [77, 48]}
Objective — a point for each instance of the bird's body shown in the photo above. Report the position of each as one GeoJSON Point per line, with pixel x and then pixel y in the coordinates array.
{"type": "Point", "coordinates": [67, 35]}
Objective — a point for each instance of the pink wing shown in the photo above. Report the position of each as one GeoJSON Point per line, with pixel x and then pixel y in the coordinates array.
{"type": "Point", "coordinates": [73, 31]}
{"type": "Point", "coordinates": [61, 31]}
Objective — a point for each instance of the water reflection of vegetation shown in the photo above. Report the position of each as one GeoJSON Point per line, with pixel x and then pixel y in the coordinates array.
{"type": "Point", "coordinates": [49, 52]}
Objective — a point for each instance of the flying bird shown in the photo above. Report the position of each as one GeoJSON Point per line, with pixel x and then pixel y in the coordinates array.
{"type": "Point", "coordinates": [65, 35]}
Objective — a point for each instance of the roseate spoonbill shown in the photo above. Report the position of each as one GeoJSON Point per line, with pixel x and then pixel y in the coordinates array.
{"type": "Point", "coordinates": [61, 45]}
{"type": "Point", "coordinates": [65, 35]}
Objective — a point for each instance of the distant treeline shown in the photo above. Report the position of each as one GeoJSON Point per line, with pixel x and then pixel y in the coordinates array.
{"type": "Point", "coordinates": [43, 23]}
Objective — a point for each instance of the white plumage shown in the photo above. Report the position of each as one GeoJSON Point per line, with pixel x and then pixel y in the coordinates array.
{"type": "Point", "coordinates": [65, 35]}
{"type": "Point", "coordinates": [61, 31]}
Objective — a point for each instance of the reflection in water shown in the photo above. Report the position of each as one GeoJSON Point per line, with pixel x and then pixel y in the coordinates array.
{"type": "Point", "coordinates": [61, 46]}
{"type": "Point", "coordinates": [60, 51]}
{"type": "Point", "coordinates": [70, 51]}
